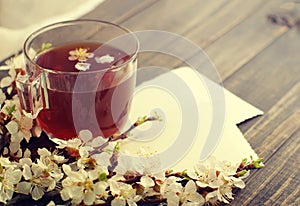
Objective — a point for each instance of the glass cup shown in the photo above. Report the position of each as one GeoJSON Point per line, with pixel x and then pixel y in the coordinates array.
{"type": "Point", "coordinates": [84, 81]}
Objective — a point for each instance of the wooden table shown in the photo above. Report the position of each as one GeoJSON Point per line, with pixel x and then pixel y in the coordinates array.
{"type": "Point", "coordinates": [255, 46]}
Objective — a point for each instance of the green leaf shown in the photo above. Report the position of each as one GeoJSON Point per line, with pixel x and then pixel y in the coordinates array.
{"type": "Point", "coordinates": [102, 176]}
{"type": "Point", "coordinates": [245, 161]}
{"type": "Point", "coordinates": [11, 109]}
{"type": "Point", "coordinates": [158, 117]}
{"type": "Point", "coordinates": [241, 173]}
{"type": "Point", "coordinates": [44, 47]}
{"type": "Point", "coordinates": [141, 120]}
{"type": "Point", "coordinates": [117, 147]}
{"type": "Point", "coordinates": [258, 163]}
{"type": "Point", "coordinates": [185, 175]}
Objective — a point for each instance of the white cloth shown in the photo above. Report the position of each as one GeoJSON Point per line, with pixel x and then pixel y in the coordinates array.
{"type": "Point", "coordinates": [20, 18]}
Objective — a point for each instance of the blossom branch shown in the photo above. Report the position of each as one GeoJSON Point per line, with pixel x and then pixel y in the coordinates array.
{"type": "Point", "coordinates": [124, 135]}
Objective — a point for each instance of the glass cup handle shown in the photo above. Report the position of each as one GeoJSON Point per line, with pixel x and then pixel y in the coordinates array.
{"type": "Point", "coordinates": [30, 94]}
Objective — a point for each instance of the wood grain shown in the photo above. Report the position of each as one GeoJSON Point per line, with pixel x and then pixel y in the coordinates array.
{"type": "Point", "coordinates": [279, 180]}
{"type": "Point", "coordinates": [244, 41]}
{"type": "Point", "coordinates": [239, 42]}
{"type": "Point", "coordinates": [222, 21]}
{"type": "Point", "coordinates": [118, 11]}
{"type": "Point", "coordinates": [258, 60]}
{"type": "Point", "coordinates": [269, 76]}
{"type": "Point", "coordinates": [273, 118]}
{"type": "Point", "coordinates": [173, 16]}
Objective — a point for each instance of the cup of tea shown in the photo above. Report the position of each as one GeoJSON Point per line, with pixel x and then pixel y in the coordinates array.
{"type": "Point", "coordinates": [80, 75]}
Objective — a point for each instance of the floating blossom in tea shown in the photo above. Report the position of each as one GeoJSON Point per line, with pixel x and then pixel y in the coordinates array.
{"type": "Point", "coordinates": [82, 66]}
{"type": "Point", "coordinates": [104, 59]}
{"type": "Point", "coordinates": [80, 54]}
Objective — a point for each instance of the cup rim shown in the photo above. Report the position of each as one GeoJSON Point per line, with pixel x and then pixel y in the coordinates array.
{"type": "Point", "coordinates": [44, 28]}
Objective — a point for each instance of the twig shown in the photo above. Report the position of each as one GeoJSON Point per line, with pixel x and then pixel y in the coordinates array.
{"type": "Point", "coordinates": [124, 135]}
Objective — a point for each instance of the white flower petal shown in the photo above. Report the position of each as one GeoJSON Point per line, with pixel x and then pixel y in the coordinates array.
{"type": "Point", "coordinates": [36, 169]}
{"type": "Point", "coordinates": [24, 188]}
{"type": "Point", "coordinates": [114, 187]}
{"type": "Point", "coordinates": [74, 52]}
{"type": "Point", "coordinates": [118, 202]}
{"type": "Point", "coordinates": [211, 196]}
{"type": "Point", "coordinates": [67, 169]}
{"type": "Point", "coordinates": [36, 131]}
{"type": "Point", "coordinates": [27, 172]}
{"type": "Point", "coordinates": [147, 181]}
{"type": "Point", "coordinates": [102, 159]}
{"type": "Point", "coordinates": [37, 193]}
{"type": "Point", "coordinates": [5, 151]}
{"type": "Point", "coordinates": [25, 160]}
{"type": "Point", "coordinates": [6, 81]}
{"type": "Point", "coordinates": [89, 197]}
{"type": "Point", "coordinates": [2, 97]}
{"type": "Point", "coordinates": [100, 188]}
{"type": "Point", "coordinates": [82, 66]}
{"type": "Point", "coordinates": [93, 174]}
{"type": "Point", "coordinates": [190, 186]}
{"type": "Point", "coordinates": [43, 152]}
{"type": "Point", "coordinates": [104, 59]}
{"type": "Point", "coordinates": [51, 203]}
{"type": "Point", "coordinates": [172, 200]}
{"type": "Point", "coordinates": [83, 152]}
{"type": "Point", "coordinates": [9, 89]}
{"type": "Point", "coordinates": [89, 55]}
{"type": "Point", "coordinates": [26, 123]}
{"type": "Point", "coordinates": [64, 193]}
{"type": "Point", "coordinates": [85, 135]}
{"type": "Point", "coordinates": [12, 127]}
{"type": "Point", "coordinates": [73, 58]}
{"type": "Point", "coordinates": [59, 159]}
{"type": "Point", "coordinates": [14, 146]}
{"type": "Point", "coordinates": [239, 183]}
{"type": "Point", "coordinates": [14, 176]}
{"type": "Point", "coordinates": [5, 162]}
{"type": "Point", "coordinates": [98, 141]}
{"type": "Point", "coordinates": [17, 115]}
{"type": "Point", "coordinates": [27, 153]}
{"type": "Point", "coordinates": [131, 203]}
{"type": "Point", "coordinates": [52, 185]}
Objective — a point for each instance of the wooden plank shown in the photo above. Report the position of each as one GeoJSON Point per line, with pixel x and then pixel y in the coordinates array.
{"type": "Point", "coordinates": [275, 137]}
{"type": "Point", "coordinates": [266, 145]}
{"type": "Point", "coordinates": [245, 41]}
{"type": "Point", "coordinates": [118, 10]}
{"type": "Point", "coordinates": [222, 21]}
{"type": "Point", "coordinates": [236, 47]}
{"type": "Point", "coordinates": [274, 117]}
{"type": "Point", "coordinates": [166, 16]}
{"type": "Point", "coordinates": [206, 29]}
{"type": "Point", "coordinates": [279, 181]}
{"type": "Point", "coordinates": [269, 76]}
{"type": "Point", "coordinates": [172, 16]}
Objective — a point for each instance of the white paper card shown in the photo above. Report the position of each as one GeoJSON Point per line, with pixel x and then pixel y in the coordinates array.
{"type": "Point", "coordinates": [172, 139]}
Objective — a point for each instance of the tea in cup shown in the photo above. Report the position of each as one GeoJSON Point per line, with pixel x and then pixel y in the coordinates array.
{"type": "Point", "coordinates": [80, 75]}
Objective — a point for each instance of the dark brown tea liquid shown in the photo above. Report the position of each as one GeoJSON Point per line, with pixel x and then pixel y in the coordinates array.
{"type": "Point", "coordinates": [97, 99]}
